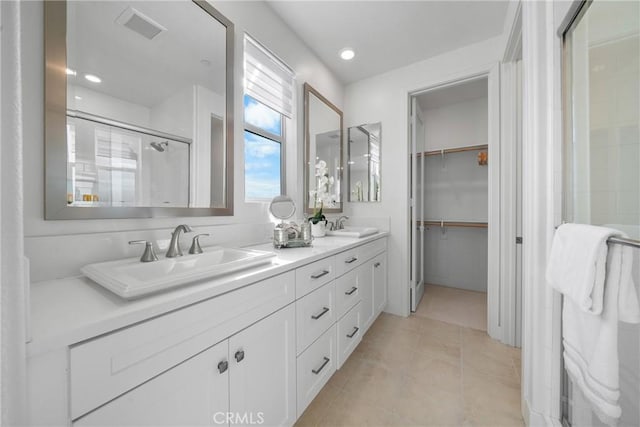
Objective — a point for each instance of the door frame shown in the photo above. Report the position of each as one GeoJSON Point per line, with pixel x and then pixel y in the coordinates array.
{"type": "Point", "coordinates": [416, 291]}
{"type": "Point", "coordinates": [491, 72]}
{"type": "Point", "coordinates": [510, 308]}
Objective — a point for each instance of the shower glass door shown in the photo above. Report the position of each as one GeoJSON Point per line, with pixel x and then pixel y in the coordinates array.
{"type": "Point", "coordinates": [602, 160]}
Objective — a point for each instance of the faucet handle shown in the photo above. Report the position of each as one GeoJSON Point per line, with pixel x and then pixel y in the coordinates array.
{"type": "Point", "coordinates": [149, 255]}
{"type": "Point", "coordinates": [195, 244]}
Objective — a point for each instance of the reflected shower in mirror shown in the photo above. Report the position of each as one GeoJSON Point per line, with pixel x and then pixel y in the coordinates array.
{"type": "Point", "coordinates": [323, 153]}
{"type": "Point", "coordinates": [148, 99]}
{"type": "Point", "coordinates": [364, 162]}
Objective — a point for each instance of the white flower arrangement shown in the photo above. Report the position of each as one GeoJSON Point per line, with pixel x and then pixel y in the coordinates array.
{"type": "Point", "coordinates": [322, 195]}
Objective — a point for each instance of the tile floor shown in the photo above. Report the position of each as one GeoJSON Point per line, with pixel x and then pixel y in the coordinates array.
{"type": "Point", "coordinates": [457, 306]}
{"type": "Point", "coordinates": [418, 371]}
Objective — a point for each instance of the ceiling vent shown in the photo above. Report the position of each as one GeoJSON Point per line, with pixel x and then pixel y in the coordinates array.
{"type": "Point", "coordinates": [136, 21]}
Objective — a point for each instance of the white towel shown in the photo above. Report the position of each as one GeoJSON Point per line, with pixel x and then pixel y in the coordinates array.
{"type": "Point", "coordinates": [591, 340]}
{"type": "Point", "coordinates": [576, 266]}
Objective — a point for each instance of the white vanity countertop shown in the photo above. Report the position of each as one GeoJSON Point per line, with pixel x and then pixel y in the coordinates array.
{"type": "Point", "coordinates": [71, 310]}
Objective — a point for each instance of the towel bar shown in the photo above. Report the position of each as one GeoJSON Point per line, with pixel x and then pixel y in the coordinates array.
{"type": "Point", "coordinates": [621, 241]}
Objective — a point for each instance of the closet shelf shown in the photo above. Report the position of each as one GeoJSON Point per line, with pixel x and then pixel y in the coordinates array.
{"type": "Point", "coordinates": [470, 224]}
{"type": "Point", "coordinates": [453, 150]}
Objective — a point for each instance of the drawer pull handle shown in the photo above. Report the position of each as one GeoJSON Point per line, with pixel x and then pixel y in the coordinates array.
{"type": "Point", "coordinates": [351, 291]}
{"type": "Point", "coordinates": [376, 265]}
{"type": "Point", "coordinates": [319, 315]}
{"type": "Point", "coordinates": [239, 355]}
{"type": "Point", "coordinates": [222, 366]}
{"type": "Point", "coordinates": [320, 274]}
{"type": "Point", "coordinates": [324, 363]}
{"type": "Point", "coordinates": [355, 331]}
{"type": "Point", "coordinates": [350, 260]}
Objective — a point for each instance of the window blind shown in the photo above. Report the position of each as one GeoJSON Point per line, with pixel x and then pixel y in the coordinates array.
{"type": "Point", "coordinates": [266, 78]}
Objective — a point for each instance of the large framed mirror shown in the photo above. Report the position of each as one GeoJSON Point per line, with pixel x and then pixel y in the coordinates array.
{"type": "Point", "coordinates": [363, 161]}
{"type": "Point", "coordinates": [138, 109]}
{"type": "Point", "coordinates": [323, 153]}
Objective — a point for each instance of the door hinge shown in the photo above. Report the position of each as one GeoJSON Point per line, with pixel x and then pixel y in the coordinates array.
{"type": "Point", "coordinates": [518, 240]}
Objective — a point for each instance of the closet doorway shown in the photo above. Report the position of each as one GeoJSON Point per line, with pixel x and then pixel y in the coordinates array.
{"type": "Point", "coordinates": [454, 216]}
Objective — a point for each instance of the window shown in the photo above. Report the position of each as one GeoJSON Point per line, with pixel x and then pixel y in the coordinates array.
{"type": "Point", "coordinates": [268, 105]}
{"type": "Point", "coordinates": [263, 154]}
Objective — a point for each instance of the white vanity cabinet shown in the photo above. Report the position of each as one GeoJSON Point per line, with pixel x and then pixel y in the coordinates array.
{"type": "Point", "coordinates": [246, 379]}
{"type": "Point", "coordinates": [379, 264]}
{"type": "Point", "coordinates": [257, 353]}
{"type": "Point", "coordinates": [332, 318]}
{"type": "Point", "coordinates": [262, 372]}
{"type": "Point", "coordinates": [192, 393]}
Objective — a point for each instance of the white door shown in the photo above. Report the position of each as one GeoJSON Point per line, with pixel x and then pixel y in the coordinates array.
{"type": "Point", "coordinates": [379, 283]}
{"type": "Point", "coordinates": [262, 383]}
{"type": "Point", "coordinates": [194, 393]}
{"type": "Point", "coordinates": [365, 286]}
{"type": "Point", "coordinates": [416, 200]}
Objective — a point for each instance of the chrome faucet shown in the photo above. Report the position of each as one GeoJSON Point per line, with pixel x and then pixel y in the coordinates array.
{"type": "Point", "coordinates": [340, 222]}
{"type": "Point", "coordinates": [174, 247]}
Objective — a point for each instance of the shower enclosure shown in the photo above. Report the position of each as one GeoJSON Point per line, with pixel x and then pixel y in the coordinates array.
{"type": "Point", "coordinates": [602, 161]}
{"type": "Point", "coordinates": [115, 164]}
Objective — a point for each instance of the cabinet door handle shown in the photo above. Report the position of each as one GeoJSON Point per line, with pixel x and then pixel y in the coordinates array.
{"type": "Point", "coordinates": [376, 265]}
{"type": "Point", "coordinates": [324, 363]}
{"type": "Point", "coordinates": [355, 331]}
{"type": "Point", "coordinates": [320, 274]}
{"type": "Point", "coordinates": [319, 315]}
{"type": "Point", "coordinates": [239, 355]}
{"type": "Point", "coordinates": [351, 291]}
{"type": "Point", "coordinates": [222, 366]}
{"type": "Point", "coordinates": [350, 260]}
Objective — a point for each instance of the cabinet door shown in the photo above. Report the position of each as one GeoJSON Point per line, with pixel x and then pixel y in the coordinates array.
{"type": "Point", "coordinates": [262, 384]}
{"type": "Point", "coordinates": [194, 393]}
{"type": "Point", "coordinates": [365, 285]}
{"type": "Point", "coordinates": [379, 283]}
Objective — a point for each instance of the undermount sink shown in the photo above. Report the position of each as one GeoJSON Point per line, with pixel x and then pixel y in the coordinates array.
{"type": "Point", "coordinates": [130, 278]}
{"type": "Point", "coordinates": [349, 231]}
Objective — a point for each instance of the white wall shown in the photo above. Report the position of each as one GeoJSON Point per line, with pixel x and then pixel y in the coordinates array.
{"type": "Point", "coordinates": [174, 114]}
{"type": "Point", "coordinates": [59, 248]}
{"type": "Point", "coordinates": [385, 98]}
{"type": "Point", "coordinates": [104, 105]}
{"type": "Point", "coordinates": [457, 125]}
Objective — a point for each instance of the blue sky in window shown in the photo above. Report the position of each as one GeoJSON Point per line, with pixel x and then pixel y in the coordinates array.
{"type": "Point", "coordinates": [261, 167]}
{"type": "Point", "coordinates": [261, 155]}
{"type": "Point", "coordinates": [262, 116]}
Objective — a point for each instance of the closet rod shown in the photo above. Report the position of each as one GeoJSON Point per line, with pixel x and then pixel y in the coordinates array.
{"type": "Point", "coordinates": [454, 150]}
{"type": "Point", "coordinates": [454, 224]}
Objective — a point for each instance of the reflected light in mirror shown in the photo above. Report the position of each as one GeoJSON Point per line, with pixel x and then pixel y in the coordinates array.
{"type": "Point", "coordinates": [92, 78]}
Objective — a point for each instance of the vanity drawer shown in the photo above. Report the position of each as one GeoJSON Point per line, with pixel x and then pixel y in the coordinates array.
{"type": "Point", "coordinates": [314, 275]}
{"type": "Point", "coordinates": [314, 368]}
{"type": "Point", "coordinates": [348, 260]}
{"type": "Point", "coordinates": [106, 367]}
{"type": "Point", "coordinates": [372, 249]}
{"type": "Point", "coordinates": [315, 313]}
{"type": "Point", "coordinates": [347, 292]}
{"type": "Point", "coordinates": [349, 330]}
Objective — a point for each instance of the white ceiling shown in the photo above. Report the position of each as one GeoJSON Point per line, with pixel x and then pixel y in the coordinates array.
{"type": "Point", "coordinates": [388, 34]}
{"type": "Point", "coordinates": [138, 70]}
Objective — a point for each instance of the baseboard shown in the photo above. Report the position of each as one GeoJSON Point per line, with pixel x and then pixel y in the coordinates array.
{"type": "Point", "coordinates": [535, 419]}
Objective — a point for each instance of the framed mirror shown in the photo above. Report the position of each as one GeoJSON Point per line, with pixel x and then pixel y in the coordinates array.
{"type": "Point", "coordinates": [363, 162]}
{"type": "Point", "coordinates": [323, 153]}
{"type": "Point", "coordinates": [138, 109]}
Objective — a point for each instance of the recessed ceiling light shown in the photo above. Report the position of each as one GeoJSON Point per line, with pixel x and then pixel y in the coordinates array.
{"type": "Point", "coordinates": [78, 97]}
{"type": "Point", "coordinates": [71, 72]}
{"type": "Point", "coordinates": [92, 78]}
{"type": "Point", "coordinates": [347, 53]}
